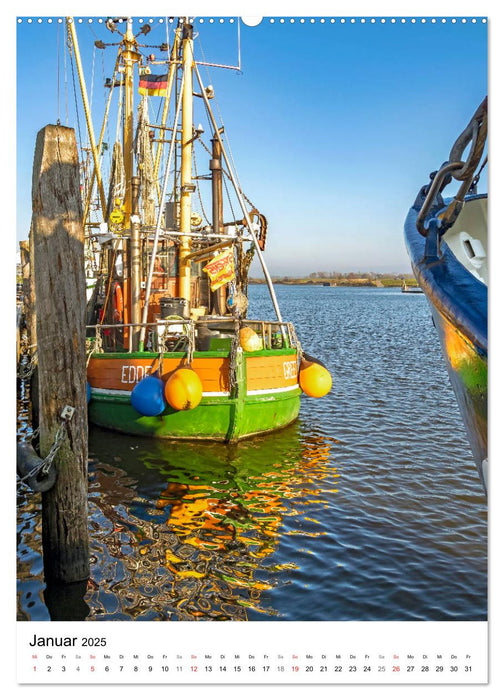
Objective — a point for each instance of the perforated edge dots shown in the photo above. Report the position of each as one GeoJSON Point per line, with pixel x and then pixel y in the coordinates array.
{"type": "Point", "coordinates": [257, 21]}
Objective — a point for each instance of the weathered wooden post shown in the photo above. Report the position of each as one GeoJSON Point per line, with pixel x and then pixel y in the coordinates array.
{"type": "Point", "coordinates": [58, 258]}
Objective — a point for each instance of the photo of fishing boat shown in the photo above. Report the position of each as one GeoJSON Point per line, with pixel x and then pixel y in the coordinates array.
{"type": "Point", "coordinates": [174, 353]}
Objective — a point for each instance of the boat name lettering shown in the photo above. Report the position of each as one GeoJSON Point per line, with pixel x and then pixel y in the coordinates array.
{"type": "Point", "coordinates": [131, 374]}
{"type": "Point", "coordinates": [290, 369]}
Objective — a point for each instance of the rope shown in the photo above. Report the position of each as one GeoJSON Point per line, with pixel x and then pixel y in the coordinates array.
{"type": "Point", "coordinates": [96, 347]}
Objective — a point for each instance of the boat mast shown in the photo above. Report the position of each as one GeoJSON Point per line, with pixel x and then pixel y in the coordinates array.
{"type": "Point", "coordinates": [87, 112]}
{"type": "Point", "coordinates": [217, 203]}
{"type": "Point", "coordinates": [131, 57]}
{"type": "Point", "coordinates": [186, 184]}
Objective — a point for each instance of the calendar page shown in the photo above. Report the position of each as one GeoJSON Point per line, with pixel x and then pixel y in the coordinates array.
{"type": "Point", "coordinates": [261, 459]}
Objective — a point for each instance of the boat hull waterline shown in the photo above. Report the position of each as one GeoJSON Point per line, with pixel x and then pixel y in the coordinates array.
{"type": "Point", "coordinates": [266, 396]}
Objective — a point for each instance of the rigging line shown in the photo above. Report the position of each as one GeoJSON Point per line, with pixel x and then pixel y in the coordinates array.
{"type": "Point", "coordinates": [76, 105]}
{"type": "Point", "coordinates": [66, 83]}
{"type": "Point", "coordinates": [198, 190]}
{"type": "Point", "coordinates": [225, 172]}
{"type": "Point", "coordinates": [159, 217]}
{"type": "Point", "coordinates": [229, 200]}
{"type": "Point", "coordinates": [92, 79]}
{"type": "Point", "coordinates": [119, 109]}
{"type": "Point", "coordinates": [105, 96]}
{"type": "Point", "coordinates": [221, 119]}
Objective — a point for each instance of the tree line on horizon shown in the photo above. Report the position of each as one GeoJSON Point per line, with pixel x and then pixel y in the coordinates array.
{"type": "Point", "coordinates": [358, 275]}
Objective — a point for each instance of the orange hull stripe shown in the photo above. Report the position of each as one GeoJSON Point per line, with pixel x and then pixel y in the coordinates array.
{"type": "Point", "coordinates": [263, 373]}
{"type": "Point", "coordinates": [271, 372]}
{"type": "Point", "coordinates": [124, 373]}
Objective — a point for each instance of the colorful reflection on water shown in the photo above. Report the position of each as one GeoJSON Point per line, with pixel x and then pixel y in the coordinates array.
{"type": "Point", "coordinates": [186, 531]}
{"type": "Point", "coordinates": [368, 508]}
{"type": "Point", "coordinates": [203, 523]}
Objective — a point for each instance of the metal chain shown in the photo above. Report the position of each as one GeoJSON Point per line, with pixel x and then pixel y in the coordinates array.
{"type": "Point", "coordinates": [477, 176]}
{"type": "Point", "coordinates": [233, 352]}
{"type": "Point", "coordinates": [26, 371]}
{"type": "Point", "coordinates": [475, 135]}
{"type": "Point", "coordinates": [294, 341]}
{"type": "Point", "coordinates": [45, 464]}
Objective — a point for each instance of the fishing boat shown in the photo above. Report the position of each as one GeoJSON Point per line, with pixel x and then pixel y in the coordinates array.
{"type": "Point", "coordinates": [447, 243]}
{"type": "Point", "coordinates": [171, 350]}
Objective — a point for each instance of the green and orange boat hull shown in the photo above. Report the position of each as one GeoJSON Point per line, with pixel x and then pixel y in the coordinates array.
{"type": "Point", "coordinates": [264, 396]}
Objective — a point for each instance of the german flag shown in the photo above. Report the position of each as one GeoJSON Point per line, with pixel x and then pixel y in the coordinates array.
{"type": "Point", "coordinates": [153, 85]}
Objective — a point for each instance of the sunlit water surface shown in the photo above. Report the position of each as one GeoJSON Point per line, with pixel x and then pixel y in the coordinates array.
{"type": "Point", "coordinates": [369, 507]}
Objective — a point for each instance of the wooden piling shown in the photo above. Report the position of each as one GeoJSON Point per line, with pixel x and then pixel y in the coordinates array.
{"type": "Point", "coordinates": [60, 288]}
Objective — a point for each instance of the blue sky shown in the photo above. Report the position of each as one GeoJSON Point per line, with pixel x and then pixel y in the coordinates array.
{"type": "Point", "coordinates": [334, 127]}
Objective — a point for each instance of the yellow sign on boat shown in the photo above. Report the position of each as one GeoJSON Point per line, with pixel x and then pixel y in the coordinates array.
{"type": "Point", "coordinates": [220, 269]}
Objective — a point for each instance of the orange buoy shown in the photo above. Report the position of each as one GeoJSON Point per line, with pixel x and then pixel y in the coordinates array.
{"type": "Point", "coordinates": [314, 379]}
{"type": "Point", "coordinates": [183, 389]}
{"type": "Point", "coordinates": [249, 340]}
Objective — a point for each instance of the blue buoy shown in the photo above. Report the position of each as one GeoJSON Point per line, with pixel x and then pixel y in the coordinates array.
{"type": "Point", "coordinates": [148, 396]}
{"type": "Point", "coordinates": [88, 392]}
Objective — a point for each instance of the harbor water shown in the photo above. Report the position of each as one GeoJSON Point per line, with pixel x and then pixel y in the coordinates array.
{"type": "Point", "coordinates": [369, 507]}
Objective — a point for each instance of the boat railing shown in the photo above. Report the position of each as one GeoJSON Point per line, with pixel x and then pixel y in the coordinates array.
{"type": "Point", "coordinates": [178, 334]}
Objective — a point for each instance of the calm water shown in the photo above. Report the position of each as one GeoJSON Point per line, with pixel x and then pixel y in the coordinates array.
{"type": "Point", "coordinates": [368, 508]}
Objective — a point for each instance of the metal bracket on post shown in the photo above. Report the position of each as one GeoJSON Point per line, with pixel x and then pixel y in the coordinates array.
{"type": "Point", "coordinates": [67, 413]}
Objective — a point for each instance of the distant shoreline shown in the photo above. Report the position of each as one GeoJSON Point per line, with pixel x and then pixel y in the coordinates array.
{"type": "Point", "coordinates": [341, 282]}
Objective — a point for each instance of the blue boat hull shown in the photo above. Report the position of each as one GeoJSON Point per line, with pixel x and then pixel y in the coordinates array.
{"type": "Point", "coordinates": [459, 304]}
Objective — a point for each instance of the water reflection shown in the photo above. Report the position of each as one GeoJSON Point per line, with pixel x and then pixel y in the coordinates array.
{"type": "Point", "coordinates": [268, 528]}
{"type": "Point", "coordinates": [187, 531]}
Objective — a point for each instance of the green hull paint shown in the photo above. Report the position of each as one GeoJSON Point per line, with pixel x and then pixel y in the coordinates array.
{"type": "Point", "coordinates": [217, 418]}
{"type": "Point", "coordinates": [223, 419]}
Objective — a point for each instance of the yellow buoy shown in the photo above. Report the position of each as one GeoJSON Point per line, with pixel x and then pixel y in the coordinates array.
{"type": "Point", "coordinates": [314, 379]}
{"type": "Point", "coordinates": [183, 389]}
{"type": "Point", "coordinates": [249, 340]}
